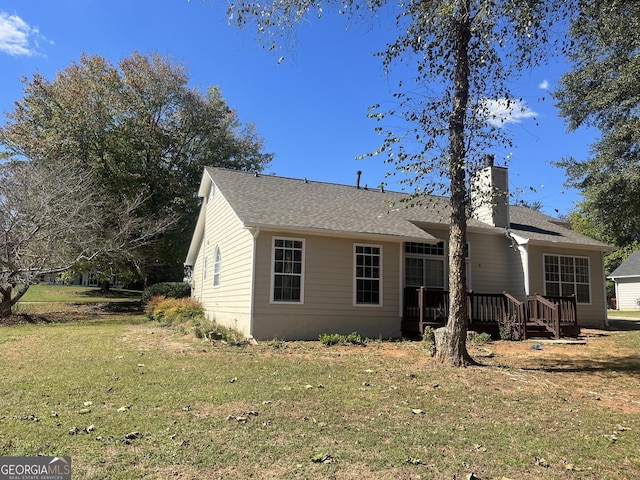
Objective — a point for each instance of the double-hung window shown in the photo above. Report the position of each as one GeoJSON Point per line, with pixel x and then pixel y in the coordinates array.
{"type": "Point", "coordinates": [565, 276]}
{"type": "Point", "coordinates": [287, 266]}
{"type": "Point", "coordinates": [368, 275]}
{"type": "Point", "coordinates": [217, 264]}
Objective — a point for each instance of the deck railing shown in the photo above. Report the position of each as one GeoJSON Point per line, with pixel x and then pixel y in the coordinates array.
{"type": "Point", "coordinates": [515, 322]}
{"type": "Point", "coordinates": [552, 312]}
{"type": "Point", "coordinates": [428, 307]}
{"type": "Point", "coordinates": [485, 307]}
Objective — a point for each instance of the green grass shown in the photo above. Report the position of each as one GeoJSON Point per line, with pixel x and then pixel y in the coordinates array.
{"type": "Point", "coordinates": [44, 293]}
{"type": "Point", "coordinates": [304, 410]}
{"type": "Point", "coordinates": [624, 313]}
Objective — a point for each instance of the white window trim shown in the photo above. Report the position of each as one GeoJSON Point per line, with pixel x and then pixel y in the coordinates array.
{"type": "Point", "coordinates": [217, 264]}
{"type": "Point", "coordinates": [544, 280]}
{"type": "Point", "coordinates": [355, 279]}
{"type": "Point", "coordinates": [302, 273]}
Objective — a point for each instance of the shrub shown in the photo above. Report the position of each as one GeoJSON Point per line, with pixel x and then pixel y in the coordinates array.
{"type": "Point", "coordinates": [429, 340]}
{"type": "Point", "coordinates": [167, 290]}
{"type": "Point", "coordinates": [173, 311]}
{"type": "Point", "coordinates": [329, 339]}
{"type": "Point", "coordinates": [476, 338]}
{"type": "Point", "coordinates": [509, 329]}
{"type": "Point", "coordinates": [277, 343]}
{"type": "Point", "coordinates": [152, 305]}
{"type": "Point", "coordinates": [216, 332]}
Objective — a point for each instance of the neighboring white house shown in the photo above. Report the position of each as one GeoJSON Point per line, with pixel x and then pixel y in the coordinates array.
{"type": "Point", "coordinates": [627, 282]}
{"type": "Point", "coordinates": [87, 279]}
{"type": "Point", "coordinates": [293, 258]}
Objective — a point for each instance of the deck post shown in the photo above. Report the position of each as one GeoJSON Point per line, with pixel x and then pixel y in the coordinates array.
{"type": "Point", "coordinates": [556, 321]}
{"type": "Point", "coordinates": [421, 308]}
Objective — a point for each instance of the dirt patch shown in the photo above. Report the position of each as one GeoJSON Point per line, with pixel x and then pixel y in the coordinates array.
{"type": "Point", "coordinates": [149, 337]}
{"type": "Point", "coordinates": [24, 318]}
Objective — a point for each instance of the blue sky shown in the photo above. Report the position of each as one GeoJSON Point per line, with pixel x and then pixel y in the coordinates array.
{"type": "Point", "coordinates": [310, 107]}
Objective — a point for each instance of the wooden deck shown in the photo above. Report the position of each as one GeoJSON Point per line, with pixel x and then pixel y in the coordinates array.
{"type": "Point", "coordinates": [499, 314]}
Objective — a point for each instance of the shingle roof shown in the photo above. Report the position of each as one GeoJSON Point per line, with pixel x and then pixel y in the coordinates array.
{"type": "Point", "coordinates": [629, 268]}
{"type": "Point", "coordinates": [287, 203]}
{"type": "Point", "coordinates": [538, 227]}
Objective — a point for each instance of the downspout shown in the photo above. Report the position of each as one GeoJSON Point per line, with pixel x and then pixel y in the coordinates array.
{"type": "Point", "coordinates": [204, 255]}
{"type": "Point", "coordinates": [255, 232]}
{"type": "Point", "coordinates": [523, 250]}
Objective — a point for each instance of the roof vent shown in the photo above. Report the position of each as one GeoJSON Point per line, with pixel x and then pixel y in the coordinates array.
{"type": "Point", "coordinates": [358, 179]}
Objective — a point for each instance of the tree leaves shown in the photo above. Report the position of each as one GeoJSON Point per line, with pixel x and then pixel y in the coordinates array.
{"type": "Point", "coordinates": [147, 136]}
{"type": "Point", "coordinates": [602, 91]}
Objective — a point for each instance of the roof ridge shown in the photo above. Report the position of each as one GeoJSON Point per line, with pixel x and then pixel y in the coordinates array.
{"type": "Point", "coordinates": [323, 182]}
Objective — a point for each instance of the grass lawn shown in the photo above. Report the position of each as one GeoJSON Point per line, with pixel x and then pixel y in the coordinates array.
{"type": "Point", "coordinates": [624, 313]}
{"type": "Point", "coordinates": [44, 293]}
{"type": "Point", "coordinates": [126, 398]}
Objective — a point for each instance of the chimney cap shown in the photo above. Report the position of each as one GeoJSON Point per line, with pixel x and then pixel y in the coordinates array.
{"type": "Point", "coordinates": [488, 159]}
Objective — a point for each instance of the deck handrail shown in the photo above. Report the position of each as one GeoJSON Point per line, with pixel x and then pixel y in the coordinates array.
{"type": "Point", "coordinates": [567, 308]}
{"type": "Point", "coordinates": [544, 312]}
{"type": "Point", "coordinates": [516, 317]}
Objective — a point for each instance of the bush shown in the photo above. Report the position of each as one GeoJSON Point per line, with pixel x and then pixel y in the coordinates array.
{"type": "Point", "coordinates": [152, 305]}
{"type": "Point", "coordinates": [220, 333]}
{"type": "Point", "coordinates": [167, 290]}
{"type": "Point", "coordinates": [478, 339]}
{"type": "Point", "coordinates": [173, 311]}
{"type": "Point", "coordinates": [429, 340]}
{"type": "Point", "coordinates": [337, 339]}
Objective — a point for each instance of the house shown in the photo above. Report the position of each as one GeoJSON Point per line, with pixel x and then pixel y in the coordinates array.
{"type": "Point", "coordinates": [627, 283]}
{"type": "Point", "coordinates": [292, 258]}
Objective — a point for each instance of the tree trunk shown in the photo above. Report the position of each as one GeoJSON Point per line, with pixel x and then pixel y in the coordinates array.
{"type": "Point", "coordinates": [104, 286]}
{"type": "Point", "coordinates": [451, 342]}
{"type": "Point", "coordinates": [5, 304]}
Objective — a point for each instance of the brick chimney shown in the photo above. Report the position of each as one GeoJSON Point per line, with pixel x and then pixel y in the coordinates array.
{"type": "Point", "coordinates": [490, 194]}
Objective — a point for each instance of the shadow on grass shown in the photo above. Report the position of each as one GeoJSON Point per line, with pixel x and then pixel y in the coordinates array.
{"type": "Point", "coordinates": [82, 313]}
{"type": "Point", "coordinates": [111, 293]}
{"type": "Point", "coordinates": [623, 324]}
{"type": "Point", "coordinates": [623, 364]}
{"type": "Point", "coordinates": [128, 307]}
